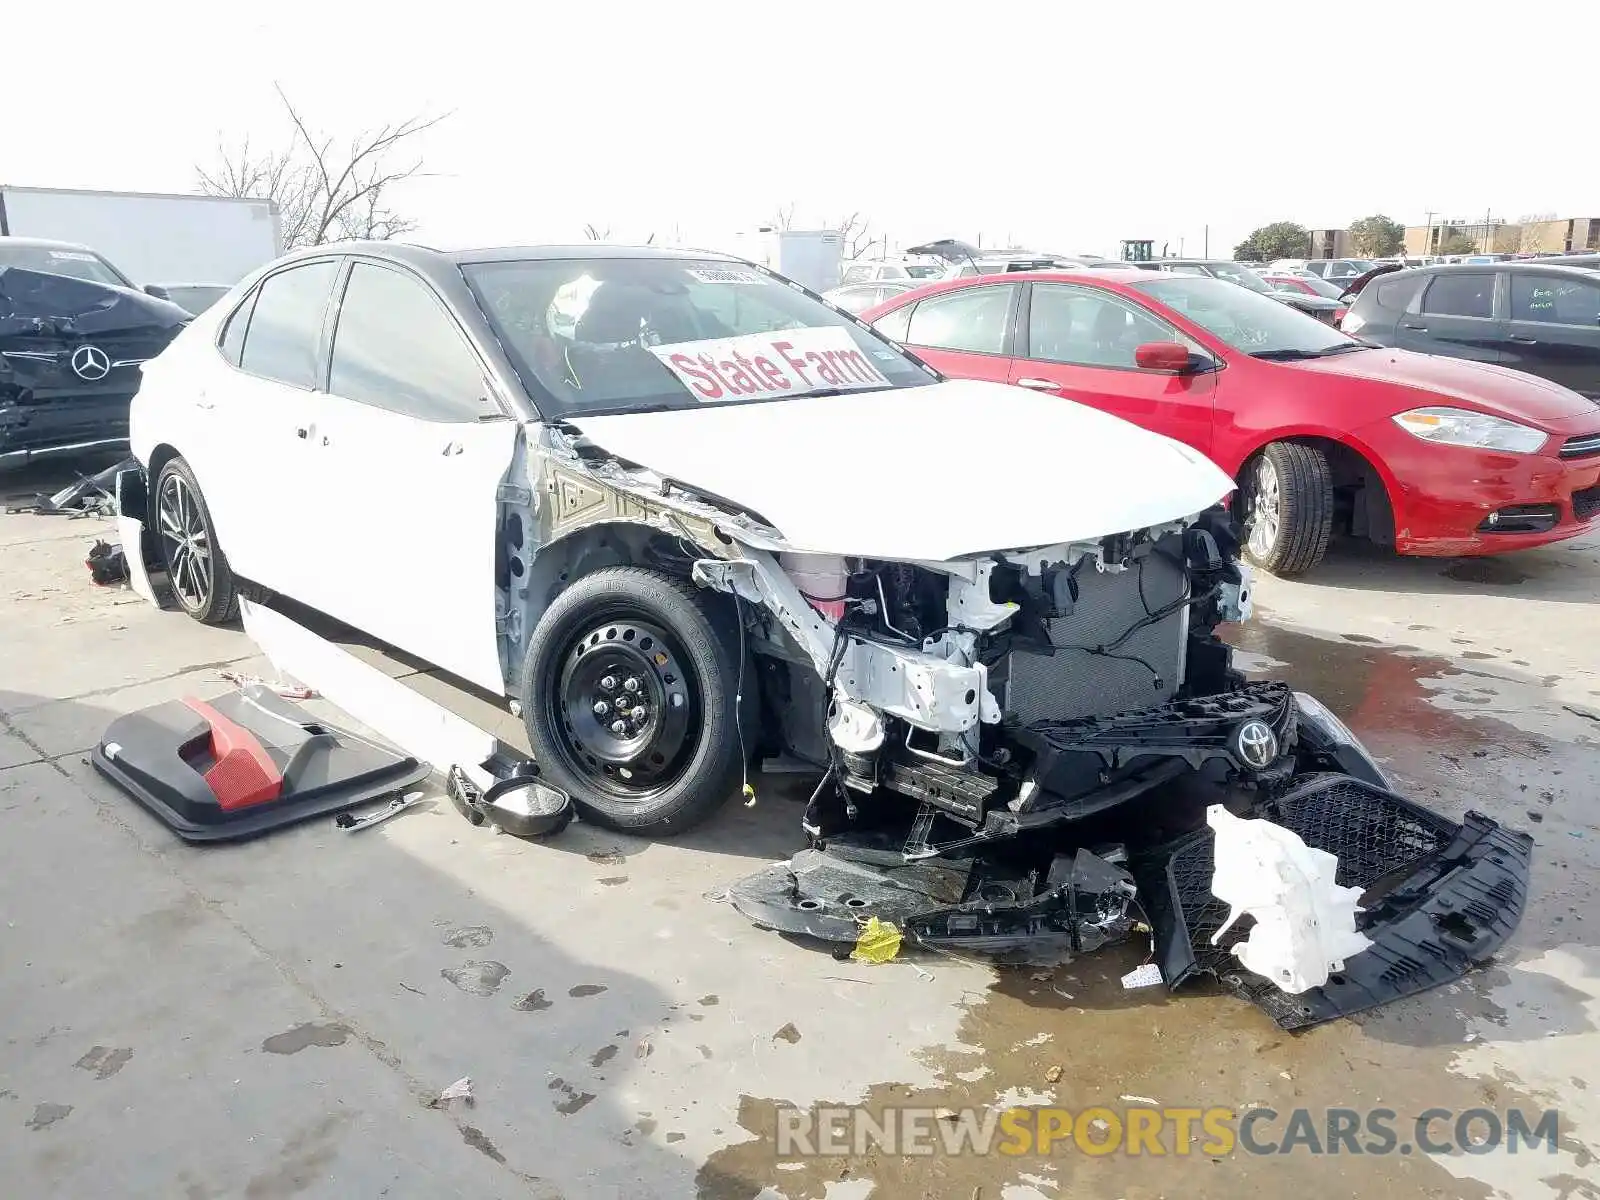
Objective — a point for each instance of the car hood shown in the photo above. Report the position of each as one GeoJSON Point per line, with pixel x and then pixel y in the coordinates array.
{"type": "Point", "coordinates": [934, 473]}
{"type": "Point", "coordinates": [1484, 386]}
{"type": "Point", "coordinates": [38, 302]}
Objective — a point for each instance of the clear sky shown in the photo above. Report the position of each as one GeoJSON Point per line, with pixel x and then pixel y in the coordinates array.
{"type": "Point", "coordinates": [1060, 125]}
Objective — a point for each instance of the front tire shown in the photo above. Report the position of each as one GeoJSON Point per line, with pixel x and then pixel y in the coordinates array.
{"type": "Point", "coordinates": [1286, 497]}
{"type": "Point", "coordinates": [197, 569]}
{"type": "Point", "coordinates": [628, 696]}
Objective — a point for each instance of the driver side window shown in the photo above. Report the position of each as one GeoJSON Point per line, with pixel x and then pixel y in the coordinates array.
{"type": "Point", "coordinates": [1078, 326]}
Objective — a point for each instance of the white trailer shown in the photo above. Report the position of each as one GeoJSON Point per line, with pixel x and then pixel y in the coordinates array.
{"type": "Point", "coordinates": [808, 256]}
{"type": "Point", "coordinates": [152, 237]}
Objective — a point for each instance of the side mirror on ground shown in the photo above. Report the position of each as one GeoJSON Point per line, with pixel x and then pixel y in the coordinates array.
{"type": "Point", "coordinates": [1165, 356]}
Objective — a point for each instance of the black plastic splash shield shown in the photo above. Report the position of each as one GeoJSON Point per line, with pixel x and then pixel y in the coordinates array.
{"type": "Point", "coordinates": [1439, 899]}
{"type": "Point", "coordinates": [324, 769]}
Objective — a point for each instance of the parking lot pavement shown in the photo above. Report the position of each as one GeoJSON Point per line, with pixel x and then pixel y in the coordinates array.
{"type": "Point", "coordinates": [272, 1019]}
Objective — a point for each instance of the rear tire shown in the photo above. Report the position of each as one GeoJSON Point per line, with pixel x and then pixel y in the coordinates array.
{"type": "Point", "coordinates": [198, 571]}
{"type": "Point", "coordinates": [636, 648]}
{"type": "Point", "coordinates": [1286, 504]}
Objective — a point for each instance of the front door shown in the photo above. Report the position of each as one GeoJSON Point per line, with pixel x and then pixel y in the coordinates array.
{"type": "Point", "coordinates": [964, 333]}
{"type": "Point", "coordinates": [1079, 342]}
{"type": "Point", "coordinates": [410, 449]}
{"type": "Point", "coordinates": [1454, 315]}
{"type": "Point", "coordinates": [1554, 329]}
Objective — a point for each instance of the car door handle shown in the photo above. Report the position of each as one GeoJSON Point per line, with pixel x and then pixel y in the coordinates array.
{"type": "Point", "coordinates": [1524, 341]}
{"type": "Point", "coordinates": [302, 432]}
{"type": "Point", "coordinates": [1040, 385]}
{"type": "Point", "coordinates": [1409, 325]}
{"type": "Point", "coordinates": [452, 448]}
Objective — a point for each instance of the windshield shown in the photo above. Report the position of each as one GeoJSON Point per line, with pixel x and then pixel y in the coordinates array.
{"type": "Point", "coordinates": [1258, 325]}
{"type": "Point", "coordinates": [77, 264]}
{"type": "Point", "coordinates": [616, 335]}
{"type": "Point", "coordinates": [1243, 276]}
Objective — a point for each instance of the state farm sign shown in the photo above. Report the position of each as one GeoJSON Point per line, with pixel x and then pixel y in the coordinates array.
{"type": "Point", "coordinates": [790, 362]}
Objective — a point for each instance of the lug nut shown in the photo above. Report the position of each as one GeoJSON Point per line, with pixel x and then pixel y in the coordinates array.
{"type": "Point", "coordinates": [630, 684]}
{"type": "Point", "coordinates": [618, 728]}
{"type": "Point", "coordinates": [609, 682]}
{"type": "Point", "coordinates": [639, 713]}
{"type": "Point", "coordinates": [601, 708]}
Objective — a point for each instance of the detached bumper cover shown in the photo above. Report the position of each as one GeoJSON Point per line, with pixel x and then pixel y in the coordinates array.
{"type": "Point", "coordinates": [1440, 898]}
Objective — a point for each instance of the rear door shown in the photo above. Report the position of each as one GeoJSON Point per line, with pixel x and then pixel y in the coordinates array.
{"type": "Point", "coordinates": [410, 448]}
{"type": "Point", "coordinates": [966, 333]}
{"type": "Point", "coordinates": [249, 450]}
{"type": "Point", "coordinates": [1554, 330]}
{"type": "Point", "coordinates": [1079, 342]}
{"type": "Point", "coordinates": [1455, 315]}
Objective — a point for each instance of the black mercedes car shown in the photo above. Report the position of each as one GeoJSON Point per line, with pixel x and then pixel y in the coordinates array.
{"type": "Point", "coordinates": [1542, 317]}
{"type": "Point", "coordinates": [73, 331]}
{"type": "Point", "coordinates": [1222, 268]}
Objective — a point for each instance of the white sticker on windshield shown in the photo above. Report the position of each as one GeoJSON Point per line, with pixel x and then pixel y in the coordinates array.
{"type": "Point", "coordinates": [72, 255]}
{"type": "Point", "coordinates": [789, 362]}
{"type": "Point", "coordinates": [726, 275]}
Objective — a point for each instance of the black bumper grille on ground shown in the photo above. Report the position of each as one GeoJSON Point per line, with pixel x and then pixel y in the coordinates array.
{"type": "Point", "coordinates": [1439, 897]}
{"type": "Point", "coordinates": [1586, 503]}
{"type": "Point", "coordinates": [1585, 445]}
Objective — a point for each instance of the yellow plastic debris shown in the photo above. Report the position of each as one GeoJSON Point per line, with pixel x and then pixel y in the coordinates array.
{"type": "Point", "coordinates": [878, 942]}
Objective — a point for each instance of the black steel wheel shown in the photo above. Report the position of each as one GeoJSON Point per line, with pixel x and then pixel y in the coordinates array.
{"type": "Point", "coordinates": [627, 707]}
{"type": "Point", "coordinates": [628, 696]}
{"type": "Point", "coordinates": [196, 568]}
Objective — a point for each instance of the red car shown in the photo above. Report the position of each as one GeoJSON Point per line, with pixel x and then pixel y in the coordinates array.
{"type": "Point", "coordinates": [1323, 432]}
{"type": "Point", "coordinates": [1309, 285]}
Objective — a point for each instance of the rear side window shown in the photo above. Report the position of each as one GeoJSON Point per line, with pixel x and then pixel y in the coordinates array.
{"type": "Point", "coordinates": [395, 348]}
{"type": "Point", "coordinates": [1394, 293]}
{"type": "Point", "coordinates": [286, 325]}
{"type": "Point", "coordinates": [1555, 301]}
{"type": "Point", "coordinates": [1460, 295]}
{"type": "Point", "coordinates": [232, 341]}
{"type": "Point", "coordinates": [893, 325]}
{"type": "Point", "coordinates": [973, 320]}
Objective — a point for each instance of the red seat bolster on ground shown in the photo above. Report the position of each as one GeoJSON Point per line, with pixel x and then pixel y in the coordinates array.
{"type": "Point", "coordinates": [243, 773]}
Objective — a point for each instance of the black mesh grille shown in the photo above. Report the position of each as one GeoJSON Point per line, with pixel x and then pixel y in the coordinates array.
{"type": "Point", "coordinates": [1586, 503]}
{"type": "Point", "coordinates": [1374, 834]}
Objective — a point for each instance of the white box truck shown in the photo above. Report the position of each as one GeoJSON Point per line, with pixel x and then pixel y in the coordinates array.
{"type": "Point", "coordinates": [807, 256]}
{"type": "Point", "coordinates": [151, 237]}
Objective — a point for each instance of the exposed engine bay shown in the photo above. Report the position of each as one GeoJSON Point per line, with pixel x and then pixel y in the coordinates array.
{"type": "Point", "coordinates": [1049, 750]}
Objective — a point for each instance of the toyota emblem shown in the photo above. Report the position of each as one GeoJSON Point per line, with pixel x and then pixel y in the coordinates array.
{"type": "Point", "coordinates": [91, 363]}
{"type": "Point", "coordinates": [1256, 744]}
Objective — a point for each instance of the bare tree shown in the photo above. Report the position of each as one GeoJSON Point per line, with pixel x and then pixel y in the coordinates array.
{"type": "Point", "coordinates": [595, 234]}
{"type": "Point", "coordinates": [325, 189]}
{"type": "Point", "coordinates": [783, 218]}
{"type": "Point", "coordinates": [856, 236]}
{"type": "Point", "coordinates": [1531, 232]}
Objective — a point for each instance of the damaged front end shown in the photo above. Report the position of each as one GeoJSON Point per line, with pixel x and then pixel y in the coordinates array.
{"type": "Point", "coordinates": [1036, 753]}
{"type": "Point", "coordinates": [70, 352]}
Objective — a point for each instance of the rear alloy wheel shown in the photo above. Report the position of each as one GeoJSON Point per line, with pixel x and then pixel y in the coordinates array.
{"type": "Point", "coordinates": [196, 568]}
{"type": "Point", "coordinates": [628, 697]}
{"type": "Point", "coordinates": [1286, 502]}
